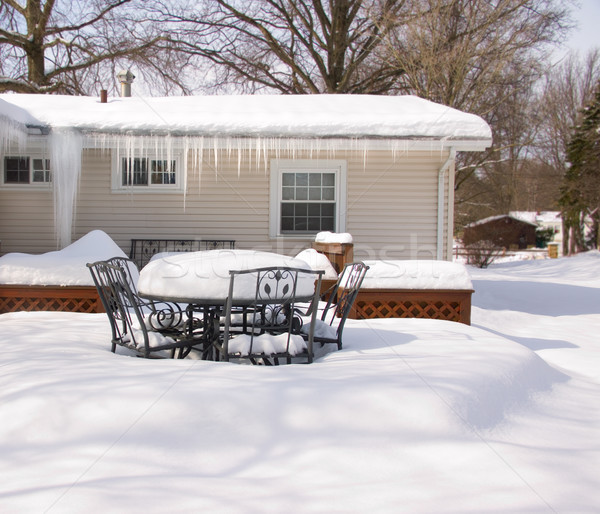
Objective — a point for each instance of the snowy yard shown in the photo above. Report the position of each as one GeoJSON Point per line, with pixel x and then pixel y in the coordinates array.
{"type": "Point", "coordinates": [412, 416]}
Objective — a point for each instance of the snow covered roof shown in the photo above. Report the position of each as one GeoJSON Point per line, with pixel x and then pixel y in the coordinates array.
{"type": "Point", "coordinates": [499, 217]}
{"type": "Point", "coordinates": [529, 216]}
{"type": "Point", "coordinates": [279, 116]}
{"type": "Point", "coordinates": [549, 217]}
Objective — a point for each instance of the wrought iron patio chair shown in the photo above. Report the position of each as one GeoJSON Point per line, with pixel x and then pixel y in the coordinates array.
{"type": "Point", "coordinates": [143, 326]}
{"type": "Point", "coordinates": [261, 323]}
{"type": "Point", "coordinates": [329, 328]}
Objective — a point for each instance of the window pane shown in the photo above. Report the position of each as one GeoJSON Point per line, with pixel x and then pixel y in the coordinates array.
{"type": "Point", "coordinates": [287, 193]}
{"type": "Point", "coordinates": [301, 179]}
{"type": "Point", "coordinates": [288, 179]}
{"type": "Point", "coordinates": [314, 224]}
{"type": "Point", "coordinates": [287, 209]}
{"type": "Point", "coordinates": [329, 179]}
{"type": "Point", "coordinates": [41, 170]}
{"type": "Point", "coordinates": [314, 179]}
{"type": "Point", "coordinates": [300, 224]}
{"type": "Point", "coordinates": [328, 224]}
{"type": "Point", "coordinates": [16, 170]}
{"type": "Point", "coordinates": [301, 193]}
{"type": "Point", "coordinates": [329, 193]}
{"type": "Point", "coordinates": [287, 224]}
{"type": "Point", "coordinates": [301, 209]}
{"type": "Point", "coordinates": [314, 209]}
{"type": "Point", "coordinates": [135, 171]}
{"type": "Point", "coordinates": [161, 172]}
{"type": "Point", "coordinates": [314, 193]}
{"type": "Point", "coordinates": [327, 209]}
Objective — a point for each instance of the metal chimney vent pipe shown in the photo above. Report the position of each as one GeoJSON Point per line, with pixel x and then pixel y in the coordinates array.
{"type": "Point", "coordinates": [126, 79]}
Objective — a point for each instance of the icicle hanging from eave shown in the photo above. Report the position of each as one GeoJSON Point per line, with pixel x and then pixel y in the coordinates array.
{"type": "Point", "coordinates": [12, 133]}
{"type": "Point", "coordinates": [65, 147]}
{"type": "Point", "coordinates": [186, 153]}
{"type": "Point", "coordinates": [211, 152]}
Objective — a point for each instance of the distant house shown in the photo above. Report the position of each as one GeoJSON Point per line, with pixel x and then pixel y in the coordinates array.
{"type": "Point", "coordinates": [266, 171]}
{"type": "Point", "coordinates": [544, 220]}
{"type": "Point", "coordinates": [504, 231]}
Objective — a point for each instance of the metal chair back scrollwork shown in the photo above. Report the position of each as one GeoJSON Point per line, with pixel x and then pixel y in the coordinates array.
{"type": "Point", "coordinates": [261, 322]}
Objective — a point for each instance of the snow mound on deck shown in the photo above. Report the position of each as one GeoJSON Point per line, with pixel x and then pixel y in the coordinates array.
{"type": "Point", "coordinates": [318, 261]}
{"type": "Point", "coordinates": [482, 377]}
{"type": "Point", "coordinates": [66, 267]}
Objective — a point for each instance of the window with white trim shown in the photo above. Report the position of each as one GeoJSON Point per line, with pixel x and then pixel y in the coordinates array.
{"type": "Point", "coordinates": [307, 196]}
{"type": "Point", "coordinates": [26, 170]}
{"type": "Point", "coordinates": [147, 173]}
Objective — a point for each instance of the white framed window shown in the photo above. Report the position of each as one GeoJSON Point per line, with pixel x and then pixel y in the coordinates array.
{"type": "Point", "coordinates": [306, 197]}
{"type": "Point", "coordinates": [26, 171]}
{"type": "Point", "coordinates": [147, 173]}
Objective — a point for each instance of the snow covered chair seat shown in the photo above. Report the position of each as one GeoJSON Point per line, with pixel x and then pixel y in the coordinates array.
{"type": "Point", "coordinates": [266, 298]}
{"type": "Point", "coordinates": [328, 329]}
{"type": "Point", "coordinates": [143, 326]}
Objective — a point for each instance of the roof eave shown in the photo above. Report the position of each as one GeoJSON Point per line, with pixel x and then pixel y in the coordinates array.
{"type": "Point", "coordinates": [300, 141]}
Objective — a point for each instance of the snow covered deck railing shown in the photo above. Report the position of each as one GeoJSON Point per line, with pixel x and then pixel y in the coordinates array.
{"type": "Point", "coordinates": [142, 250]}
{"type": "Point", "coordinates": [415, 289]}
{"type": "Point", "coordinates": [55, 281]}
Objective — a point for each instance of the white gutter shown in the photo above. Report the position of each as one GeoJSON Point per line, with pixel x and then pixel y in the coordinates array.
{"type": "Point", "coordinates": [399, 146]}
{"type": "Point", "coordinates": [440, 215]}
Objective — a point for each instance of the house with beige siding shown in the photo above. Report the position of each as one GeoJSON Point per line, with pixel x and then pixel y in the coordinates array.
{"type": "Point", "coordinates": [266, 171]}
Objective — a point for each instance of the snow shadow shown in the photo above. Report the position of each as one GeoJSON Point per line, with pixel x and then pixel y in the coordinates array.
{"type": "Point", "coordinates": [542, 298]}
{"type": "Point", "coordinates": [533, 343]}
{"type": "Point", "coordinates": [357, 337]}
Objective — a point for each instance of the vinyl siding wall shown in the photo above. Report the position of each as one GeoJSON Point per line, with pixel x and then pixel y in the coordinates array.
{"type": "Point", "coordinates": [391, 206]}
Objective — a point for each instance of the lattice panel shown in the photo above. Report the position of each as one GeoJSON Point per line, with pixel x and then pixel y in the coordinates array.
{"type": "Point", "coordinates": [46, 299]}
{"type": "Point", "coordinates": [48, 304]}
{"type": "Point", "coordinates": [446, 310]}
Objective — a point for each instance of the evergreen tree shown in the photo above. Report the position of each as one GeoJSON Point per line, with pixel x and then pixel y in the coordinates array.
{"type": "Point", "coordinates": [580, 194]}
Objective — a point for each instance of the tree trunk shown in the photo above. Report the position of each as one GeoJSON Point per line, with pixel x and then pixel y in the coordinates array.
{"type": "Point", "coordinates": [36, 27]}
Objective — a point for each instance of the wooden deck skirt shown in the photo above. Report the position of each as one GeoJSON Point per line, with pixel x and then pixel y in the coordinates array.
{"type": "Point", "coordinates": [445, 304]}
{"type": "Point", "coordinates": [49, 298]}
{"type": "Point", "coordinates": [452, 305]}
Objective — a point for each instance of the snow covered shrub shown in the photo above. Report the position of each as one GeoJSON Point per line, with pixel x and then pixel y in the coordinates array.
{"type": "Point", "coordinates": [482, 253]}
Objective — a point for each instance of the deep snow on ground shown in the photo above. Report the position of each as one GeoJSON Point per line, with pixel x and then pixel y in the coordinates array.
{"type": "Point", "coordinates": [411, 416]}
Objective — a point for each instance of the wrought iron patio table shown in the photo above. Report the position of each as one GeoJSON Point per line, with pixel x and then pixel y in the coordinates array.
{"type": "Point", "coordinates": [201, 280]}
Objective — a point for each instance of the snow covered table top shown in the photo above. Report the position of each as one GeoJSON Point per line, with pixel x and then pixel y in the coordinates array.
{"type": "Point", "coordinates": [203, 277]}
{"type": "Point", "coordinates": [416, 274]}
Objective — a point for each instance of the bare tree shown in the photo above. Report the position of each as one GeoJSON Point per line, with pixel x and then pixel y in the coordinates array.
{"type": "Point", "coordinates": [464, 53]}
{"type": "Point", "coordinates": [567, 87]}
{"type": "Point", "coordinates": [483, 57]}
{"type": "Point", "coordinates": [67, 46]}
{"type": "Point", "coordinates": [291, 46]}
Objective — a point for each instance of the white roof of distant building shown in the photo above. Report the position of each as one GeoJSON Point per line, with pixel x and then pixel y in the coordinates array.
{"type": "Point", "coordinates": [498, 217]}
